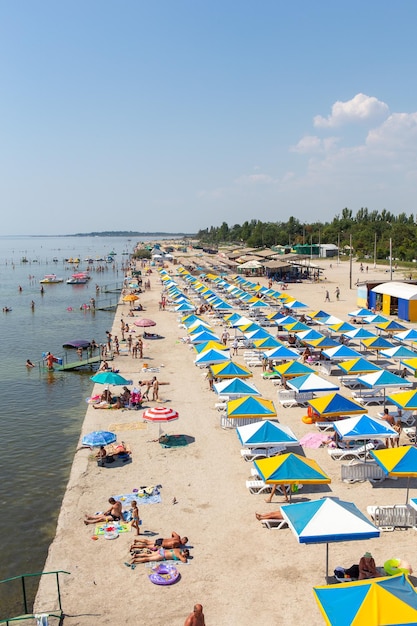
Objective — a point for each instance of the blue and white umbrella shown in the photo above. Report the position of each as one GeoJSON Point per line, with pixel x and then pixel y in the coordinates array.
{"type": "Point", "coordinates": [341, 352]}
{"type": "Point", "coordinates": [266, 433]}
{"type": "Point", "coordinates": [234, 387]}
{"type": "Point", "coordinates": [212, 356]}
{"type": "Point", "coordinates": [311, 382]}
{"type": "Point", "coordinates": [98, 438]}
{"type": "Point", "coordinates": [364, 427]}
{"type": "Point", "coordinates": [328, 520]}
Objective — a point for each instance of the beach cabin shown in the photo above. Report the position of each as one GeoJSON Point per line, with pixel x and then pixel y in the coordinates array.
{"type": "Point", "coordinates": [395, 298]}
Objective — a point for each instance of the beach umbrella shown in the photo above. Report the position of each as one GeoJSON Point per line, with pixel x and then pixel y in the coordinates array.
{"type": "Point", "coordinates": [400, 462]}
{"type": "Point", "coordinates": [359, 333]}
{"type": "Point", "coordinates": [375, 319]}
{"type": "Point", "coordinates": [250, 328]}
{"type": "Point", "coordinates": [203, 336]}
{"type": "Point", "coordinates": [266, 434]}
{"type": "Point", "coordinates": [250, 406]}
{"type": "Point", "coordinates": [191, 320]}
{"type": "Point", "coordinates": [209, 357]}
{"type": "Point", "coordinates": [358, 366]}
{"type": "Point", "coordinates": [386, 600]}
{"type": "Point", "coordinates": [406, 400]}
{"type": "Point", "coordinates": [185, 306]}
{"type": "Point", "coordinates": [383, 379]}
{"type": "Point", "coordinates": [291, 469]}
{"type": "Point", "coordinates": [292, 368]}
{"type": "Point", "coordinates": [360, 313]}
{"type": "Point", "coordinates": [364, 427]}
{"type": "Point", "coordinates": [98, 438]}
{"type": "Point", "coordinates": [306, 335]}
{"type": "Point", "coordinates": [295, 304]}
{"type": "Point", "coordinates": [342, 327]}
{"type": "Point", "coordinates": [131, 297]}
{"type": "Point", "coordinates": [390, 326]}
{"type": "Point", "coordinates": [331, 320]}
{"type": "Point", "coordinates": [235, 387]}
{"type": "Point", "coordinates": [399, 352]}
{"type": "Point", "coordinates": [295, 327]}
{"type": "Point", "coordinates": [322, 343]}
{"type": "Point", "coordinates": [258, 333]}
{"type": "Point", "coordinates": [318, 314]}
{"type": "Point", "coordinates": [209, 345]}
{"type": "Point", "coordinates": [311, 382]}
{"type": "Point", "coordinates": [281, 352]}
{"type": "Point", "coordinates": [159, 415]}
{"type": "Point", "coordinates": [199, 327]}
{"type": "Point", "coordinates": [266, 344]}
{"type": "Point", "coordinates": [328, 520]}
{"type": "Point", "coordinates": [109, 378]}
{"type": "Point", "coordinates": [341, 352]}
{"type": "Point", "coordinates": [407, 335]}
{"type": "Point", "coordinates": [377, 343]}
{"type": "Point", "coordinates": [334, 405]}
{"type": "Point", "coordinates": [259, 304]}
{"type": "Point", "coordinates": [230, 369]}
{"type": "Point", "coordinates": [288, 319]}
{"type": "Point", "coordinates": [410, 363]}
{"type": "Point", "coordinates": [144, 322]}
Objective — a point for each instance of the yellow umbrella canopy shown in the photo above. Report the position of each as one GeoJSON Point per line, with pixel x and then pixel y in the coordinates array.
{"type": "Point", "coordinates": [131, 297]}
{"type": "Point", "coordinates": [291, 468]}
{"type": "Point", "coordinates": [334, 405]}
{"type": "Point", "coordinates": [230, 369]}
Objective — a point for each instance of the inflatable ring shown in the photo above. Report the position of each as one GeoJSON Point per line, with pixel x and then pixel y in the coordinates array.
{"type": "Point", "coordinates": [307, 419]}
{"type": "Point", "coordinates": [164, 574]}
{"type": "Point", "coordinates": [392, 567]}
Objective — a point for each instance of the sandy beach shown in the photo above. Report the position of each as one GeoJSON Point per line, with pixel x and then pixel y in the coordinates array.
{"type": "Point", "coordinates": [242, 573]}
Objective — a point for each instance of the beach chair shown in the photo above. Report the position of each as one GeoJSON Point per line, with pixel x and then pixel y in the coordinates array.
{"type": "Point", "coordinates": [258, 486]}
{"type": "Point", "coordinates": [356, 471]}
{"type": "Point", "coordinates": [389, 517]}
{"type": "Point", "coordinates": [287, 398]}
{"type": "Point", "coordinates": [347, 454]}
{"type": "Point", "coordinates": [274, 523]}
{"type": "Point", "coordinates": [410, 432]}
{"type": "Point", "coordinates": [251, 454]}
{"type": "Point", "coordinates": [369, 400]}
{"type": "Point", "coordinates": [325, 426]}
{"type": "Point", "coordinates": [303, 398]}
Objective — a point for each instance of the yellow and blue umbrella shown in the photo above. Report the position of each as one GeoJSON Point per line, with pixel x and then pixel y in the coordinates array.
{"type": "Point", "coordinates": [230, 369]}
{"type": "Point", "coordinates": [377, 343]}
{"type": "Point", "coordinates": [400, 462]}
{"type": "Point", "coordinates": [358, 366]}
{"type": "Point", "coordinates": [342, 327]}
{"type": "Point", "coordinates": [391, 326]}
{"type": "Point", "coordinates": [209, 345]}
{"type": "Point", "coordinates": [293, 368]}
{"type": "Point", "coordinates": [334, 404]}
{"type": "Point", "coordinates": [281, 352]}
{"type": "Point", "coordinates": [406, 400]}
{"type": "Point", "coordinates": [294, 327]}
{"type": "Point", "coordinates": [289, 469]}
{"type": "Point", "coordinates": [266, 344]}
{"type": "Point", "coordinates": [387, 600]}
{"type": "Point", "coordinates": [322, 343]}
{"type": "Point", "coordinates": [249, 406]}
{"type": "Point", "coordinates": [410, 363]}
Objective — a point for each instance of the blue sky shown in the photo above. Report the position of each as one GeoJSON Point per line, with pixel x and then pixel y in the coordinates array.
{"type": "Point", "coordinates": [178, 115]}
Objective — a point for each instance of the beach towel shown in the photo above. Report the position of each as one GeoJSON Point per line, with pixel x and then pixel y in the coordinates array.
{"type": "Point", "coordinates": [121, 527]}
{"type": "Point", "coordinates": [142, 495]}
{"type": "Point", "coordinates": [173, 441]}
{"type": "Point", "coordinates": [127, 426]}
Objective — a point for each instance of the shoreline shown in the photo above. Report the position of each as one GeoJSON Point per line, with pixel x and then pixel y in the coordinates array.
{"type": "Point", "coordinates": [214, 508]}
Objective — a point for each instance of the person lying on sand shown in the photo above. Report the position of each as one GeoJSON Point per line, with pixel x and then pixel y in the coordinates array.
{"type": "Point", "coordinates": [271, 515]}
{"type": "Point", "coordinates": [161, 555]}
{"type": "Point", "coordinates": [114, 514]}
{"type": "Point", "coordinates": [175, 541]}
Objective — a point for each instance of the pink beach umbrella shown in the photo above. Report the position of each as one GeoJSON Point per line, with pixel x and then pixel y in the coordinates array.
{"type": "Point", "coordinates": [160, 414]}
{"type": "Point", "coordinates": [144, 322]}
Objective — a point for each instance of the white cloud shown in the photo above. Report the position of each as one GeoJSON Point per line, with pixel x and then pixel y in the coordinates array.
{"type": "Point", "coordinates": [254, 179]}
{"type": "Point", "coordinates": [361, 108]}
{"type": "Point", "coordinates": [313, 144]}
{"type": "Point", "coordinates": [398, 132]}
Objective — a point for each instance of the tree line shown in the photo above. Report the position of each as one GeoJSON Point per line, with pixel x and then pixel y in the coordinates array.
{"type": "Point", "coordinates": [364, 228]}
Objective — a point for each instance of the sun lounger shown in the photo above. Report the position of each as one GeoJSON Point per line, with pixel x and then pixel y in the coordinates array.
{"type": "Point", "coordinates": [349, 381]}
{"type": "Point", "coordinates": [274, 523]}
{"type": "Point", "coordinates": [389, 517]}
{"type": "Point", "coordinates": [324, 426]}
{"type": "Point", "coordinates": [410, 432]}
{"type": "Point", "coordinates": [347, 454]}
{"type": "Point", "coordinates": [258, 486]}
{"type": "Point", "coordinates": [357, 471]}
{"type": "Point", "coordinates": [368, 400]}
{"type": "Point", "coordinates": [250, 454]}
{"type": "Point", "coordinates": [287, 398]}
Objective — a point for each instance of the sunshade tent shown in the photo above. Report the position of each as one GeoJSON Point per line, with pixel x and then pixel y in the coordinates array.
{"type": "Point", "coordinates": [391, 326]}
{"type": "Point", "coordinates": [342, 327]}
{"type": "Point", "coordinates": [377, 343]}
{"type": "Point", "coordinates": [295, 304]}
{"type": "Point", "coordinates": [266, 344]}
{"type": "Point", "coordinates": [209, 357]}
{"type": "Point", "coordinates": [230, 369]}
{"type": "Point", "coordinates": [281, 352]}
{"type": "Point", "coordinates": [375, 319]}
{"type": "Point", "coordinates": [311, 382]}
{"type": "Point", "coordinates": [387, 600]}
{"type": "Point", "coordinates": [209, 345]}
{"type": "Point", "coordinates": [328, 520]}
{"type": "Point", "coordinates": [359, 333]}
{"type": "Point", "coordinates": [406, 400]}
{"type": "Point", "coordinates": [360, 313]}
{"type": "Point", "coordinates": [98, 438]}
{"type": "Point", "coordinates": [322, 343]}
{"type": "Point", "coordinates": [295, 327]}
{"type": "Point", "coordinates": [291, 469]}
{"type": "Point", "coordinates": [258, 333]}
{"type": "Point", "coordinates": [292, 368]}
{"type": "Point", "coordinates": [383, 379]}
{"type": "Point", "coordinates": [340, 353]}
{"type": "Point", "coordinates": [400, 462]}
{"type": "Point", "coordinates": [331, 320]}
{"type": "Point", "coordinates": [288, 319]}
{"type": "Point", "coordinates": [364, 427]}
{"type": "Point", "coordinates": [410, 363]}
{"type": "Point", "coordinates": [305, 335]}
{"type": "Point", "coordinates": [407, 335]}
{"type": "Point", "coordinates": [334, 405]}
{"type": "Point", "coordinates": [236, 387]}
{"type": "Point", "coordinates": [204, 336]}
{"type": "Point", "coordinates": [266, 433]}
{"type": "Point", "coordinates": [399, 352]}
{"type": "Point", "coordinates": [358, 366]}
{"type": "Point", "coordinates": [318, 314]}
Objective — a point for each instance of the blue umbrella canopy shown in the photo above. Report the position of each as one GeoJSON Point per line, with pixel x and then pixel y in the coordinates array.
{"type": "Point", "coordinates": [266, 433]}
{"type": "Point", "coordinates": [311, 382]}
{"type": "Point", "coordinates": [212, 356]}
{"type": "Point", "coordinates": [364, 427]}
{"type": "Point", "coordinates": [98, 438]}
{"type": "Point", "coordinates": [328, 520]}
{"type": "Point", "coordinates": [281, 352]}
{"type": "Point", "coordinates": [360, 313]}
{"type": "Point", "coordinates": [387, 600]}
{"type": "Point", "coordinates": [383, 378]}
{"type": "Point", "coordinates": [110, 378]}
{"type": "Point", "coordinates": [341, 352]}
{"type": "Point", "coordinates": [399, 352]}
{"type": "Point", "coordinates": [236, 386]}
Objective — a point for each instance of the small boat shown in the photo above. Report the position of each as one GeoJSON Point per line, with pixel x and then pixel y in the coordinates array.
{"type": "Point", "coordinates": [25, 260]}
{"type": "Point", "coordinates": [77, 280]}
{"type": "Point", "coordinates": [55, 260]}
{"type": "Point", "coordinates": [51, 279]}
{"type": "Point", "coordinates": [78, 343]}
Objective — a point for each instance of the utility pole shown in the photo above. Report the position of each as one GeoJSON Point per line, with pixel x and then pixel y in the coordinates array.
{"type": "Point", "coordinates": [350, 261]}
{"type": "Point", "coordinates": [375, 252]}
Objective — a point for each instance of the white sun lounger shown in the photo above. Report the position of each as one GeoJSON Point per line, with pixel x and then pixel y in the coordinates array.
{"type": "Point", "coordinates": [357, 471]}
{"type": "Point", "coordinates": [274, 523]}
{"type": "Point", "coordinates": [251, 454]}
{"type": "Point", "coordinates": [389, 517]}
{"type": "Point", "coordinates": [258, 486]}
{"type": "Point", "coordinates": [347, 454]}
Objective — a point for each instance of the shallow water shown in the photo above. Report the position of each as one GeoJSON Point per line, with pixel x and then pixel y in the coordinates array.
{"type": "Point", "coordinates": [42, 413]}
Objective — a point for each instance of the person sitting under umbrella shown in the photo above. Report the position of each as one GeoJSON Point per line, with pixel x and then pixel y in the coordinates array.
{"type": "Point", "coordinates": [114, 514]}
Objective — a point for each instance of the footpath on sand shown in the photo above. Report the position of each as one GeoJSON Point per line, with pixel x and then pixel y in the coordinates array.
{"type": "Point", "coordinates": [237, 566]}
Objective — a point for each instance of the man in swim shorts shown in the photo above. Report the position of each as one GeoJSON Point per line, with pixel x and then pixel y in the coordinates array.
{"type": "Point", "coordinates": [196, 618]}
{"type": "Point", "coordinates": [114, 514]}
{"type": "Point", "coordinates": [175, 541]}
{"type": "Point", "coordinates": [162, 555]}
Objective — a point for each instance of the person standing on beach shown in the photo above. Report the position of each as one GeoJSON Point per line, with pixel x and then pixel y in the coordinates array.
{"type": "Point", "coordinates": [196, 618]}
{"type": "Point", "coordinates": [135, 517]}
{"type": "Point", "coordinates": [327, 296]}
{"type": "Point", "coordinates": [337, 292]}
{"type": "Point", "coordinates": [140, 348]}
{"type": "Point", "coordinates": [155, 390]}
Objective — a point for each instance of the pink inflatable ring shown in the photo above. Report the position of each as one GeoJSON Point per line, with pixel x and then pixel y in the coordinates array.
{"type": "Point", "coordinates": [164, 574]}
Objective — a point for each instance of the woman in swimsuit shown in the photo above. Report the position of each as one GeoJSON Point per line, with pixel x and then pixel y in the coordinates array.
{"type": "Point", "coordinates": [162, 555]}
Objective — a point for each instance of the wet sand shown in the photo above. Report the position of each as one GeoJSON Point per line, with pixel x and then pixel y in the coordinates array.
{"type": "Point", "coordinates": [242, 573]}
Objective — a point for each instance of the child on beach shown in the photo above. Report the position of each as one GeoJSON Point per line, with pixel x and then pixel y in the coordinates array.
{"type": "Point", "coordinates": [135, 517]}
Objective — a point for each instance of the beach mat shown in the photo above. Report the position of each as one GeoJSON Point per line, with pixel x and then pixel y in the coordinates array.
{"type": "Point", "coordinates": [114, 428]}
{"type": "Point", "coordinates": [143, 495]}
{"type": "Point", "coordinates": [174, 441]}
{"type": "Point", "coordinates": [122, 527]}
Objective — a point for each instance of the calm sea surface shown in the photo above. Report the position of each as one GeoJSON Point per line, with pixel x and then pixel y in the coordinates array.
{"type": "Point", "coordinates": [42, 413]}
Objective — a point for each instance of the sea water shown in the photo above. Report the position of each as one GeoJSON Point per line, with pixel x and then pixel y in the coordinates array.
{"type": "Point", "coordinates": [42, 412]}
